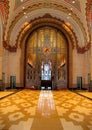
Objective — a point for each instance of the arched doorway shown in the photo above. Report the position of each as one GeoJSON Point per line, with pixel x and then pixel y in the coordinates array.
{"type": "Point", "coordinates": [46, 62]}
{"type": "Point", "coordinates": [61, 28]}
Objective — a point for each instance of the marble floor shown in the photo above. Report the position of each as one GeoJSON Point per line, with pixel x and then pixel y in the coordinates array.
{"type": "Point", "coordinates": [45, 110]}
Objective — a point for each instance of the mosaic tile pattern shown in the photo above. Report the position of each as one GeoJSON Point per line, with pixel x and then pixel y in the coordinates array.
{"type": "Point", "coordinates": [46, 110]}
{"type": "Point", "coordinates": [17, 111]}
{"type": "Point", "coordinates": [74, 111]}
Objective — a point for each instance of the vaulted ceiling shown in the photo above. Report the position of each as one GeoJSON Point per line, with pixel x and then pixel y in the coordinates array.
{"type": "Point", "coordinates": [18, 17]}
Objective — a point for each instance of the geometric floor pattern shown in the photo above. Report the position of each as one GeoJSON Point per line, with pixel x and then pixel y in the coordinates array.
{"type": "Point", "coordinates": [74, 111]}
{"type": "Point", "coordinates": [45, 110]}
{"type": "Point", "coordinates": [7, 92]}
{"type": "Point", "coordinates": [84, 93]}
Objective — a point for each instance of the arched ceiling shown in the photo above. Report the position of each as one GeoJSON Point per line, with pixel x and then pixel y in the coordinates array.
{"type": "Point", "coordinates": [74, 13]}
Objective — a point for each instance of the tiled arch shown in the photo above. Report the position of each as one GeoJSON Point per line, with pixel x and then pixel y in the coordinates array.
{"type": "Point", "coordinates": [80, 48]}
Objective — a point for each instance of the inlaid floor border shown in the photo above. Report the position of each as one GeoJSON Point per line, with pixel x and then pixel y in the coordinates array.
{"type": "Point", "coordinates": [81, 95]}
{"type": "Point", "coordinates": [10, 94]}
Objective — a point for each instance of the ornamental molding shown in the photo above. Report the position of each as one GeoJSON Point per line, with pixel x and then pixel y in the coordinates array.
{"type": "Point", "coordinates": [49, 21]}
{"type": "Point", "coordinates": [88, 4]}
{"type": "Point", "coordinates": [5, 4]}
{"type": "Point", "coordinates": [47, 5]}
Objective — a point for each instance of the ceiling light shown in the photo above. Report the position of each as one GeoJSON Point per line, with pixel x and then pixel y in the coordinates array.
{"type": "Point", "coordinates": [69, 14]}
{"type": "Point", "coordinates": [23, 7]}
{"type": "Point", "coordinates": [24, 12]}
{"type": "Point", "coordinates": [21, 0]}
{"type": "Point", "coordinates": [73, 1]}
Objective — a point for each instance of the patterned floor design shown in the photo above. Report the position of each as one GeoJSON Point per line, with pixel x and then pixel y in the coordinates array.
{"type": "Point", "coordinates": [85, 93]}
{"type": "Point", "coordinates": [4, 94]}
{"type": "Point", "coordinates": [8, 92]}
{"type": "Point", "coordinates": [74, 111]}
{"type": "Point", "coordinates": [46, 110]}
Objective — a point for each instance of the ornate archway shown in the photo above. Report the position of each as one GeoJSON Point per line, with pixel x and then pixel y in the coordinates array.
{"type": "Point", "coordinates": [54, 23]}
{"type": "Point", "coordinates": [46, 59]}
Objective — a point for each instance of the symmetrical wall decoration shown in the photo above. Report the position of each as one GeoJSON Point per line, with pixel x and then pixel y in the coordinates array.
{"type": "Point", "coordinates": [46, 53]}
{"type": "Point", "coordinates": [74, 3]}
{"type": "Point", "coordinates": [43, 5]}
{"type": "Point", "coordinates": [53, 6]}
{"type": "Point", "coordinates": [48, 20]}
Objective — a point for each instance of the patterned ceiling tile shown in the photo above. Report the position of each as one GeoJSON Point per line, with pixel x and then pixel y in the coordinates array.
{"type": "Point", "coordinates": [19, 2]}
{"type": "Point", "coordinates": [76, 3]}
